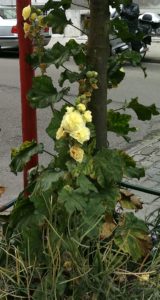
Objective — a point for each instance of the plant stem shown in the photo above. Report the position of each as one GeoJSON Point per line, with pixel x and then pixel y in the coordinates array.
{"type": "Point", "coordinates": [48, 152]}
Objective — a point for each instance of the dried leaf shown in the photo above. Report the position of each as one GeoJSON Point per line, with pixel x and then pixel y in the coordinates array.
{"type": "Point", "coordinates": [129, 201]}
{"type": "Point", "coordinates": [137, 202]}
{"type": "Point", "coordinates": [126, 192]}
{"type": "Point", "coordinates": [108, 227]}
{"type": "Point", "coordinates": [2, 190]}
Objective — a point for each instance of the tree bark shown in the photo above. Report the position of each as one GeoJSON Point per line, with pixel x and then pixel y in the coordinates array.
{"type": "Point", "coordinates": [98, 54]}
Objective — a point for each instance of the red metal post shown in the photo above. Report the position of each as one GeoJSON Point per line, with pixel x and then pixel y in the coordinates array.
{"type": "Point", "coordinates": [29, 122]}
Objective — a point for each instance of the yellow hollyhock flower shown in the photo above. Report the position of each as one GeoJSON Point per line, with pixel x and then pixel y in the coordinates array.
{"type": "Point", "coordinates": [76, 153]}
{"type": "Point", "coordinates": [82, 135]}
{"type": "Point", "coordinates": [74, 124]}
{"type": "Point", "coordinates": [72, 121]}
{"type": "Point", "coordinates": [87, 116]}
{"type": "Point", "coordinates": [26, 12]}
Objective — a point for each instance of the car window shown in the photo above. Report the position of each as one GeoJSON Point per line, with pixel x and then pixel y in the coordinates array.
{"type": "Point", "coordinates": [8, 13]}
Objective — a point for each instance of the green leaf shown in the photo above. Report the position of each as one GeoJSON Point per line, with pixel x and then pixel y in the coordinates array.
{"type": "Point", "coordinates": [22, 208]}
{"type": "Point", "coordinates": [57, 20]}
{"type": "Point", "coordinates": [22, 155]}
{"type": "Point", "coordinates": [73, 200]}
{"type": "Point", "coordinates": [107, 197]}
{"type": "Point", "coordinates": [119, 123]}
{"type": "Point", "coordinates": [62, 149]}
{"type": "Point", "coordinates": [44, 194]}
{"type": "Point", "coordinates": [47, 179]}
{"type": "Point", "coordinates": [94, 211]}
{"type": "Point", "coordinates": [58, 55]}
{"type": "Point", "coordinates": [134, 172]}
{"type": "Point", "coordinates": [43, 93]}
{"type": "Point", "coordinates": [143, 112]}
{"type": "Point", "coordinates": [69, 75]}
{"type": "Point", "coordinates": [86, 185]}
{"type": "Point", "coordinates": [131, 236]}
{"type": "Point", "coordinates": [115, 75]}
{"type": "Point", "coordinates": [78, 51]}
{"type": "Point", "coordinates": [55, 122]}
{"type": "Point", "coordinates": [108, 167]}
{"type": "Point", "coordinates": [129, 166]}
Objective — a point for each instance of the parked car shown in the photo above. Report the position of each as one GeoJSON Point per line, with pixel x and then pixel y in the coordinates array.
{"type": "Point", "coordinates": [9, 30]}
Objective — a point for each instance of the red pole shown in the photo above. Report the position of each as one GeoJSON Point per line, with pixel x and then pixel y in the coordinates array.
{"type": "Point", "coordinates": [29, 122]}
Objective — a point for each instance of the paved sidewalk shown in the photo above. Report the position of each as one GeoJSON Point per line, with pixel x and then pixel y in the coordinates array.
{"type": "Point", "coordinates": [147, 154]}
{"type": "Point", "coordinates": [153, 53]}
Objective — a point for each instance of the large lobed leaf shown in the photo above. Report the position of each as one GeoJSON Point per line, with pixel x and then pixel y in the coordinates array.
{"type": "Point", "coordinates": [119, 123]}
{"type": "Point", "coordinates": [129, 166]}
{"type": "Point", "coordinates": [108, 167]}
{"type": "Point", "coordinates": [132, 236]}
{"type": "Point", "coordinates": [60, 54]}
{"type": "Point", "coordinates": [24, 154]}
{"type": "Point", "coordinates": [57, 20]}
{"type": "Point", "coordinates": [143, 112]}
{"type": "Point", "coordinates": [43, 93]}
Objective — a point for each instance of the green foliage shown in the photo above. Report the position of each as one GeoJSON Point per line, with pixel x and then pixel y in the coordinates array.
{"type": "Point", "coordinates": [68, 235]}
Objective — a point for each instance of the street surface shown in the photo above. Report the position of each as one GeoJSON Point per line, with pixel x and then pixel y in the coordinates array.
{"type": "Point", "coordinates": [148, 91]}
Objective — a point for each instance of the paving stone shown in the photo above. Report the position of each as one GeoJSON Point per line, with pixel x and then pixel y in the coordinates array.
{"type": "Point", "coordinates": [138, 158]}
{"type": "Point", "coordinates": [149, 150]}
{"type": "Point", "coordinates": [151, 172]}
{"type": "Point", "coordinates": [157, 165]}
{"type": "Point", "coordinates": [146, 163]}
{"type": "Point", "coordinates": [157, 178]}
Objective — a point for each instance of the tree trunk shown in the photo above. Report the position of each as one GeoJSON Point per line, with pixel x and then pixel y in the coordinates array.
{"type": "Point", "coordinates": [98, 53]}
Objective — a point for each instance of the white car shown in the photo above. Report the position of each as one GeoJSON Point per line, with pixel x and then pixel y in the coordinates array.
{"type": "Point", "coordinates": [9, 31]}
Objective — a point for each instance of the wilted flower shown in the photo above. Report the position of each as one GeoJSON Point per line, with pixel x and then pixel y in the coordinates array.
{"type": "Point", "coordinates": [33, 16]}
{"type": "Point", "coordinates": [144, 277]}
{"type": "Point", "coordinates": [76, 153]}
{"type": "Point", "coordinates": [26, 28]}
{"type": "Point", "coordinates": [26, 12]}
{"type": "Point", "coordinates": [40, 20]}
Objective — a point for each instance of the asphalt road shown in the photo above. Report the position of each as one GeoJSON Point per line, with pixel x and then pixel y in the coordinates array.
{"type": "Point", "coordinates": [148, 91]}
